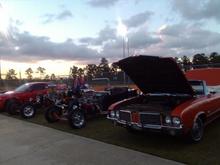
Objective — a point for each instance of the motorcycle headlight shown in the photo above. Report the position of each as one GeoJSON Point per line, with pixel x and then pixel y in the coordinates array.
{"type": "Point", "coordinates": [168, 120]}
{"type": "Point", "coordinates": [117, 114]}
{"type": "Point", "coordinates": [176, 121]}
{"type": "Point", "coordinates": [112, 113]}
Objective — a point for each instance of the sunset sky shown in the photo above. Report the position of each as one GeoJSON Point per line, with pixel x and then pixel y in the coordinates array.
{"type": "Point", "coordinates": [57, 34]}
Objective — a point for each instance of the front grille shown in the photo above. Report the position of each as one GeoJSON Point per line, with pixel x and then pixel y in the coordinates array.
{"type": "Point", "coordinates": [125, 116]}
{"type": "Point", "coordinates": [153, 119]}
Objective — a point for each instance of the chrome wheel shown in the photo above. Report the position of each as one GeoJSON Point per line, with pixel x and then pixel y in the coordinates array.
{"type": "Point", "coordinates": [28, 111]}
{"type": "Point", "coordinates": [197, 130]}
{"type": "Point", "coordinates": [77, 119]}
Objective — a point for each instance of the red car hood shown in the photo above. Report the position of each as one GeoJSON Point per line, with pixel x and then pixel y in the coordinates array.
{"type": "Point", "coordinates": [6, 93]}
{"type": "Point", "coordinates": [156, 74]}
{"type": "Point", "coordinates": [9, 92]}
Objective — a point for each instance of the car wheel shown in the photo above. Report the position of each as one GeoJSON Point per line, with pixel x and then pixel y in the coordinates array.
{"type": "Point", "coordinates": [27, 111]}
{"type": "Point", "coordinates": [77, 119]}
{"type": "Point", "coordinates": [53, 114]}
{"type": "Point", "coordinates": [197, 130]}
{"type": "Point", "coordinates": [13, 107]}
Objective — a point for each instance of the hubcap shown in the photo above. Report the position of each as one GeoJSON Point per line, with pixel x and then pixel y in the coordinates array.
{"type": "Point", "coordinates": [197, 130]}
{"type": "Point", "coordinates": [78, 119]}
{"type": "Point", "coordinates": [28, 111]}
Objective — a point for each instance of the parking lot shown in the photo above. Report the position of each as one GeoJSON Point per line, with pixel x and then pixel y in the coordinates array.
{"type": "Point", "coordinates": [27, 143]}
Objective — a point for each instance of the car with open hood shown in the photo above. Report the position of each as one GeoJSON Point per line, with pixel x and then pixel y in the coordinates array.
{"type": "Point", "coordinates": [169, 102]}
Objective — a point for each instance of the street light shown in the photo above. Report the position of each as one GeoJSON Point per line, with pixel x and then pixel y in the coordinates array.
{"type": "Point", "coordinates": [122, 31]}
{"type": "Point", "coordinates": [0, 67]}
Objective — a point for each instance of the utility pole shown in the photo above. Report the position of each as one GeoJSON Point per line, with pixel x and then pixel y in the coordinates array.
{"type": "Point", "coordinates": [124, 76]}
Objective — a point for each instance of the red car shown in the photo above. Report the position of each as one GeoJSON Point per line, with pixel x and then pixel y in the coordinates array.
{"type": "Point", "coordinates": [169, 103]}
{"type": "Point", "coordinates": [11, 101]}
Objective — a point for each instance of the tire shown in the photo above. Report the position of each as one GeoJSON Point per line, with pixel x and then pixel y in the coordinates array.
{"type": "Point", "coordinates": [13, 107]}
{"type": "Point", "coordinates": [53, 114]}
{"type": "Point", "coordinates": [77, 119]}
{"type": "Point", "coordinates": [27, 111]}
{"type": "Point", "coordinates": [197, 130]}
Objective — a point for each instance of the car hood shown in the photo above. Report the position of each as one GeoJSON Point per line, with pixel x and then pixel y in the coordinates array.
{"type": "Point", "coordinates": [5, 94]}
{"type": "Point", "coordinates": [156, 74]}
{"type": "Point", "coordinates": [9, 92]}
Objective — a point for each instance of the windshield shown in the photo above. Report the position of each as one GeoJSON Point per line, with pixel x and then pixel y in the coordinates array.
{"type": "Point", "coordinates": [22, 88]}
{"type": "Point", "coordinates": [197, 87]}
{"type": "Point", "coordinates": [215, 89]}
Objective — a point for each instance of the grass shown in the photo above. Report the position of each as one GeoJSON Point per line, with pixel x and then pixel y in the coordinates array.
{"type": "Point", "coordinates": [205, 152]}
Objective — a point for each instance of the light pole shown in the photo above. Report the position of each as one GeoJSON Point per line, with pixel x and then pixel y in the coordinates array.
{"type": "Point", "coordinates": [122, 31]}
{"type": "Point", "coordinates": [0, 67]}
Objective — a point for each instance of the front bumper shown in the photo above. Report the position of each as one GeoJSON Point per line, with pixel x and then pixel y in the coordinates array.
{"type": "Point", "coordinates": [171, 130]}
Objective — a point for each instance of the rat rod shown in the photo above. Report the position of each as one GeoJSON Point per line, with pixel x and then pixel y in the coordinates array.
{"type": "Point", "coordinates": [169, 103]}
{"type": "Point", "coordinates": [90, 103]}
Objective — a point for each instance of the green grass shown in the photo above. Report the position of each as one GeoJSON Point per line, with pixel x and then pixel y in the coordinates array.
{"type": "Point", "coordinates": [205, 152]}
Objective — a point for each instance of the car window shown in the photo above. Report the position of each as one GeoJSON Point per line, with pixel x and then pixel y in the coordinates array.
{"type": "Point", "coordinates": [197, 87]}
{"type": "Point", "coordinates": [23, 88]}
{"type": "Point", "coordinates": [37, 87]}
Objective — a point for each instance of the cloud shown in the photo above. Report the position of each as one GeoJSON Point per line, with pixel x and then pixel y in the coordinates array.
{"type": "Point", "coordinates": [142, 39]}
{"type": "Point", "coordinates": [102, 3]}
{"type": "Point", "coordinates": [198, 10]}
{"type": "Point", "coordinates": [27, 47]}
{"type": "Point", "coordinates": [63, 15]}
{"type": "Point", "coordinates": [104, 35]}
{"type": "Point", "coordinates": [138, 19]}
{"type": "Point", "coordinates": [47, 18]}
{"type": "Point", "coordinates": [182, 36]}
{"type": "Point", "coordinates": [137, 40]}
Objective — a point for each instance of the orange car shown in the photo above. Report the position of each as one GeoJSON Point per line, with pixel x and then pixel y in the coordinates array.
{"type": "Point", "coordinates": [169, 103]}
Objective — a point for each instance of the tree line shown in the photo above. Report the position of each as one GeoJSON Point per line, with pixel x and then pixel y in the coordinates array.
{"type": "Point", "coordinates": [199, 60]}
{"type": "Point", "coordinates": [111, 71]}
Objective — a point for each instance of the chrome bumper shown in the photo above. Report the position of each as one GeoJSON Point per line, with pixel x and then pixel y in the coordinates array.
{"type": "Point", "coordinates": [140, 126]}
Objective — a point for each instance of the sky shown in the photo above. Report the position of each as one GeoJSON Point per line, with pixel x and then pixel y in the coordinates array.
{"type": "Point", "coordinates": [58, 34]}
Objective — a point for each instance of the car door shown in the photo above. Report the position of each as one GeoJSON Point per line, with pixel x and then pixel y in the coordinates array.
{"type": "Point", "coordinates": [38, 90]}
{"type": "Point", "coordinates": [214, 106]}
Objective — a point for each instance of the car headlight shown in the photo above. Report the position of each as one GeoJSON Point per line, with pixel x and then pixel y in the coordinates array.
{"type": "Point", "coordinates": [112, 113]}
{"type": "Point", "coordinates": [176, 121]}
{"type": "Point", "coordinates": [168, 120]}
{"type": "Point", "coordinates": [117, 114]}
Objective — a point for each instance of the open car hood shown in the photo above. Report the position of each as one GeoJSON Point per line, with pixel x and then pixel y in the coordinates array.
{"type": "Point", "coordinates": [156, 74]}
